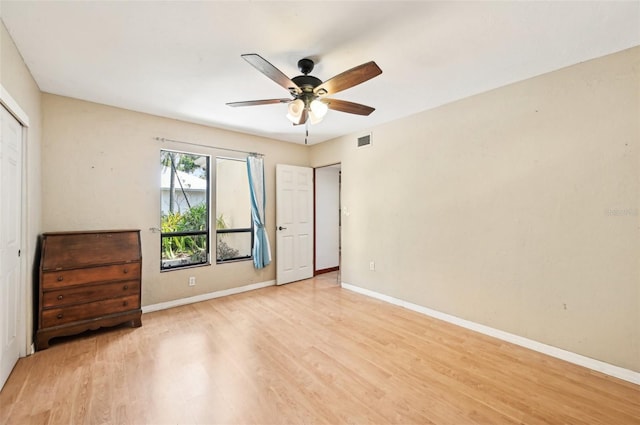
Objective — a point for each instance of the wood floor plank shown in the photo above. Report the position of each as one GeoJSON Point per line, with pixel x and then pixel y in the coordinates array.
{"type": "Point", "coordinates": [307, 352]}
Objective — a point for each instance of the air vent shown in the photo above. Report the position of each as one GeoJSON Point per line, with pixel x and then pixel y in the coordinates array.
{"type": "Point", "coordinates": [364, 140]}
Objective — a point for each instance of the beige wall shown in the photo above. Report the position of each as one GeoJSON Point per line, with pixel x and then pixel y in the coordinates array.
{"type": "Point", "coordinates": [517, 208]}
{"type": "Point", "coordinates": [101, 170]}
{"type": "Point", "coordinates": [17, 80]}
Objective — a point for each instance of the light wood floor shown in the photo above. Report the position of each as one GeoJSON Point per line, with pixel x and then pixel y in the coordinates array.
{"type": "Point", "coordinates": [307, 352]}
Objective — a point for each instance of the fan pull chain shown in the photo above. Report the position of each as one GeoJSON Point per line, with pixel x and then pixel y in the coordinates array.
{"type": "Point", "coordinates": [306, 136]}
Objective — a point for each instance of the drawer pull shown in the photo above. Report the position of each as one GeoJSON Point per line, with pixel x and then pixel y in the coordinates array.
{"type": "Point", "coordinates": [60, 297]}
{"type": "Point", "coordinates": [125, 287]}
{"type": "Point", "coordinates": [60, 278]}
{"type": "Point", "coordinates": [126, 270]}
{"type": "Point", "coordinates": [59, 316]}
{"type": "Point", "coordinates": [125, 303]}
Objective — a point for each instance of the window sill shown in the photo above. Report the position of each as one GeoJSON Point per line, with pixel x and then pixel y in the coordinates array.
{"type": "Point", "coordinates": [235, 260]}
{"type": "Point", "coordinates": [189, 266]}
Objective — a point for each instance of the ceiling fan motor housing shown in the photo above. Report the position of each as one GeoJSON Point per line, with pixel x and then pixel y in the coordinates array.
{"type": "Point", "coordinates": [306, 83]}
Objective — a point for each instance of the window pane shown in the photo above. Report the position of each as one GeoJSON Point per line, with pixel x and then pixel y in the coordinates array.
{"type": "Point", "coordinates": [184, 209]}
{"type": "Point", "coordinates": [233, 246]}
{"type": "Point", "coordinates": [233, 202]}
{"type": "Point", "coordinates": [184, 183]}
{"type": "Point", "coordinates": [180, 251]}
{"type": "Point", "coordinates": [233, 210]}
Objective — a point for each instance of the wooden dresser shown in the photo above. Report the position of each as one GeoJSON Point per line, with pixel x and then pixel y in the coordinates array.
{"type": "Point", "coordinates": [88, 280]}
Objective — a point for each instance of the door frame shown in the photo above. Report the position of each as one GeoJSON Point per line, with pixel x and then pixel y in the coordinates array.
{"type": "Point", "coordinates": [11, 105]}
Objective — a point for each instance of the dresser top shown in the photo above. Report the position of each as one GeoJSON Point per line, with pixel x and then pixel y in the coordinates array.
{"type": "Point", "coordinates": [86, 232]}
{"type": "Point", "coordinates": [71, 250]}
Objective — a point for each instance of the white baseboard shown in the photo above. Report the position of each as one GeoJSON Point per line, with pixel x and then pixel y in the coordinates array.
{"type": "Point", "coordinates": [593, 364]}
{"type": "Point", "coordinates": [207, 296]}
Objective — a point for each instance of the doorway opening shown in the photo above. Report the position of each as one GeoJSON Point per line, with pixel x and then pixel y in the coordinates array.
{"type": "Point", "coordinates": [327, 219]}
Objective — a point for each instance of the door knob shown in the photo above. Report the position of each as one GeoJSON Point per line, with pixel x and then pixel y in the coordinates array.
{"type": "Point", "coordinates": [282, 228]}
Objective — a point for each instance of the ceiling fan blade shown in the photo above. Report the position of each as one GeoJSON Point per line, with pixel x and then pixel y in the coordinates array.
{"type": "Point", "coordinates": [258, 102]}
{"type": "Point", "coordinates": [349, 78]}
{"type": "Point", "coordinates": [348, 107]}
{"type": "Point", "coordinates": [262, 65]}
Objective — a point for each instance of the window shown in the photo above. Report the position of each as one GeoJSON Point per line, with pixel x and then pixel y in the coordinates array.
{"type": "Point", "coordinates": [234, 227]}
{"type": "Point", "coordinates": [184, 209]}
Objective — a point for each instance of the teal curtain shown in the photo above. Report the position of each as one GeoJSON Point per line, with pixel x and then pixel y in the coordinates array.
{"type": "Point", "coordinates": [261, 250]}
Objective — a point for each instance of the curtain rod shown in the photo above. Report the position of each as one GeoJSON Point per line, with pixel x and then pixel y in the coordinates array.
{"type": "Point", "coordinates": [162, 139]}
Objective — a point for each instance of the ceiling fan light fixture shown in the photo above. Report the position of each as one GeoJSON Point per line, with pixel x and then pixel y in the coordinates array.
{"type": "Point", "coordinates": [319, 108]}
{"type": "Point", "coordinates": [295, 110]}
{"type": "Point", "coordinates": [313, 118]}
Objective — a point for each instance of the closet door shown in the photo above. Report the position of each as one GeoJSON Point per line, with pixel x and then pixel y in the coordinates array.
{"type": "Point", "coordinates": [11, 312]}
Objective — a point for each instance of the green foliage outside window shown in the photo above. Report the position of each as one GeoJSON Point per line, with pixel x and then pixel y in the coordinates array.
{"type": "Point", "coordinates": [193, 247]}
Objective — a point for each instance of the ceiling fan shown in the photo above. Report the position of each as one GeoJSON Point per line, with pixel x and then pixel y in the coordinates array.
{"type": "Point", "coordinates": [308, 102]}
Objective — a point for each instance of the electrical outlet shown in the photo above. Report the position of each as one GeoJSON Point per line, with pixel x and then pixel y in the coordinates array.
{"type": "Point", "coordinates": [372, 265]}
{"type": "Point", "coordinates": [192, 281]}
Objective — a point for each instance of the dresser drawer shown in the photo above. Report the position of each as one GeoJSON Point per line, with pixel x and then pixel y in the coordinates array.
{"type": "Point", "coordinates": [60, 316]}
{"type": "Point", "coordinates": [62, 278]}
{"type": "Point", "coordinates": [85, 294]}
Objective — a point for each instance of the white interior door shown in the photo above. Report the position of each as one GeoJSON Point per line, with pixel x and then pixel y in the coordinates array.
{"type": "Point", "coordinates": [10, 218]}
{"type": "Point", "coordinates": [294, 223]}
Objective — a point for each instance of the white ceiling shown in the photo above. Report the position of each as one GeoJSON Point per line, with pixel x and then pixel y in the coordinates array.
{"type": "Point", "coordinates": [182, 59]}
